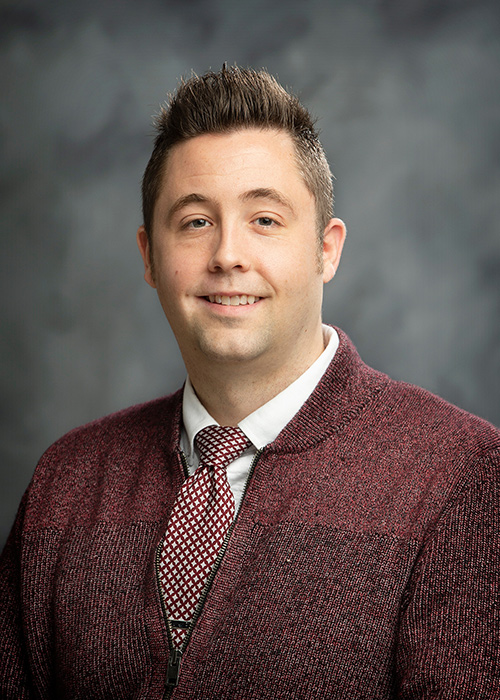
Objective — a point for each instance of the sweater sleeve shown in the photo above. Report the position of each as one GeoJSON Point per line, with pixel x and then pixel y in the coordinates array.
{"type": "Point", "coordinates": [449, 635]}
{"type": "Point", "coordinates": [15, 681]}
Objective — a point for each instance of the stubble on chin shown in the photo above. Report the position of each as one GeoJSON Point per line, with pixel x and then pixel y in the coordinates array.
{"type": "Point", "coordinates": [229, 344]}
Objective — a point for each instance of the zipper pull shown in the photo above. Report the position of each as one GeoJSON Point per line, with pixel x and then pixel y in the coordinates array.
{"type": "Point", "coordinates": [173, 668]}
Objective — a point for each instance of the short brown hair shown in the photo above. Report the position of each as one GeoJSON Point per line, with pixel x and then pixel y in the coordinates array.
{"type": "Point", "coordinates": [231, 99]}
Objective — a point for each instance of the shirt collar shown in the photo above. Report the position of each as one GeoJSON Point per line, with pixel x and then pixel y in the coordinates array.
{"type": "Point", "coordinates": [263, 425]}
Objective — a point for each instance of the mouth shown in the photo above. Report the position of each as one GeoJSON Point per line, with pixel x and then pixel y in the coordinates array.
{"type": "Point", "coordinates": [234, 300]}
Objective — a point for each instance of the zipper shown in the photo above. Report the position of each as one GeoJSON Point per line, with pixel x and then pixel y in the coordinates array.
{"type": "Point", "coordinates": [175, 654]}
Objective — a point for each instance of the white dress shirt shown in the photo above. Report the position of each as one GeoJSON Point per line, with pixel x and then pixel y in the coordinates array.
{"type": "Point", "coordinates": [263, 425]}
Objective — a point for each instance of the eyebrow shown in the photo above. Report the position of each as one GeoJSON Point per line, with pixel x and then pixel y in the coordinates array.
{"type": "Point", "coordinates": [268, 193]}
{"type": "Point", "coordinates": [258, 193]}
{"type": "Point", "coordinates": [184, 201]}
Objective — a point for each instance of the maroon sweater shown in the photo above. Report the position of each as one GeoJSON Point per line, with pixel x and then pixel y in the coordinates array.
{"type": "Point", "coordinates": [364, 562]}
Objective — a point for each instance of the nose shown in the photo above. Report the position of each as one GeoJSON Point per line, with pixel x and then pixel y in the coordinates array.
{"type": "Point", "coordinates": [230, 251]}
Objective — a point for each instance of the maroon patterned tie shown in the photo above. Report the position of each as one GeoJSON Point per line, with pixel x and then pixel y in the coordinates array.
{"type": "Point", "coordinates": [201, 516]}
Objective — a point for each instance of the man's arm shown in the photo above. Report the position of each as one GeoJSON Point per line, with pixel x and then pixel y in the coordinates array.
{"type": "Point", "coordinates": [449, 637]}
{"type": "Point", "coordinates": [15, 683]}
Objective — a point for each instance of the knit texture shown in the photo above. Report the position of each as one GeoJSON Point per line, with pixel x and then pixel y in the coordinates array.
{"type": "Point", "coordinates": [363, 563]}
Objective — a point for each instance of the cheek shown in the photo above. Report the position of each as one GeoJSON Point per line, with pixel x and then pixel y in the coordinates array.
{"type": "Point", "coordinates": [176, 287]}
{"type": "Point", "coordinates": [284, 275]}
{"type": "Point", "coordinates": [299, 278]}
{"type": "Point", "coordinates": [172, 270]}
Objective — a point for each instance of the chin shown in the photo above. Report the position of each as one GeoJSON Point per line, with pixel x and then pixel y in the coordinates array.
{"type": "Point", "coordinates": [230, 351]}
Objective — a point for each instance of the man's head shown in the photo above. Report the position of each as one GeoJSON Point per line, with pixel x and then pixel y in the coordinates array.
{"type": "Point", "coordinates": [233, 99]}
{"type": "Point", "coordinates": [230, 241]}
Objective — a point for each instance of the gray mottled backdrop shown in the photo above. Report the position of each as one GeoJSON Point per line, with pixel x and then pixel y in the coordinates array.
{"type": "Point", "coordinates": [408, 96]}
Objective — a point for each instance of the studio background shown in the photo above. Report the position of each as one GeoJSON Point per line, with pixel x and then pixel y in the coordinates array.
{"type": "Point", "coordinates": [408, 99]}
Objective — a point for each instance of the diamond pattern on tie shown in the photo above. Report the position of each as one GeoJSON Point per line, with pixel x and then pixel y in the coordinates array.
{"type": "Point", "coordinates": [201, 516]}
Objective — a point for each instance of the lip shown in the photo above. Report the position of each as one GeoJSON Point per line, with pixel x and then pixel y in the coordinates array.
{"type": "Point", "coordinates": [223, 293]}
{"type": "Point", "coordinates": [224, 307]}
{"type": "Point", "coordinates": [222, 298]}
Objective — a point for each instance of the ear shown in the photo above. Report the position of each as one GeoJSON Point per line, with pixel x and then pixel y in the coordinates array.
{"type": "Point", "coordinates": [144, 249]}
{"type": "Point", "coordinates": [333, 242]}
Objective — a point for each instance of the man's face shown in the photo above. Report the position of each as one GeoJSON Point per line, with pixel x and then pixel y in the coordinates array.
{"type": "Point", "coordinates": [235, 251]}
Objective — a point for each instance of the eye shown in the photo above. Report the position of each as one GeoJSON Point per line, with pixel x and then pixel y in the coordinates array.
{"type": "Point", "coordinates": [197, 223]}
{"type": "Point", "coordinates": [265, 221]}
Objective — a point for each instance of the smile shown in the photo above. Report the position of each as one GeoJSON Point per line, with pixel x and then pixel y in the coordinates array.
{"type": "Point", "coordinates": [236, 300]}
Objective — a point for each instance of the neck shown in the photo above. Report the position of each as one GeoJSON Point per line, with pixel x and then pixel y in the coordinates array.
{"type": "Point", "coordinates": [232, 391]}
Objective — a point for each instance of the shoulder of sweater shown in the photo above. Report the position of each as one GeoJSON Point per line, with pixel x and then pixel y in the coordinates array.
{"type": "Point", "coordinates": [408, 403]}
{"type": "Point", "coordinates": [126, 429]}
{"type": "Point", "coordinates": [103, 461]}
{"type": "Point", "coordinates": [429, 413]}
{"type": "Point", "coordinates": [379, 413]}
{"type": "Point", "coordinates": [443, 446]}
{"type": "Point", "coordinates": [399, 443]}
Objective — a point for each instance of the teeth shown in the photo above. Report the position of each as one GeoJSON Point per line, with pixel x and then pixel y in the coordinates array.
{"type": "Point", "coordinates": [236, 300]}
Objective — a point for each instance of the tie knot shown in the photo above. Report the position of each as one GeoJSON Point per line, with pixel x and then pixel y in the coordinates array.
{"type": "Point", "coordinates": [219, 445]}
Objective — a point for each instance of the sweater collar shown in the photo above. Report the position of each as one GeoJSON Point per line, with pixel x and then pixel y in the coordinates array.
{"type": "Point", "coordinates": [344, 391]}
{"type": "Point", "coordinates": [346, 388]}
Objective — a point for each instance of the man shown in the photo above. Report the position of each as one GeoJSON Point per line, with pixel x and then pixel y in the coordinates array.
{"type": "Point", "coordinates": [350, 547]}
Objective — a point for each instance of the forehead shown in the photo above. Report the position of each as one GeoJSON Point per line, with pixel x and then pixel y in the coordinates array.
{"type": "Point", "coordinates": [244, 157]}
